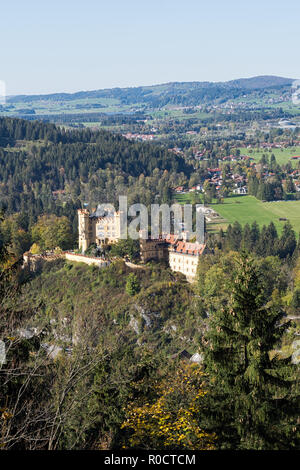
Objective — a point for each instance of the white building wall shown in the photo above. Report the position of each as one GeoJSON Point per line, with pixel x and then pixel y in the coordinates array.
{"type": "Point", "coordinates": [184, 263]}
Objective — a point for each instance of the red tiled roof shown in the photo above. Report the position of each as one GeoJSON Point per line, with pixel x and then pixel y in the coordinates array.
{"type": "Point", "coordinates": [171, 238]}
{"type": "Point", "coordinates": [189, 248]}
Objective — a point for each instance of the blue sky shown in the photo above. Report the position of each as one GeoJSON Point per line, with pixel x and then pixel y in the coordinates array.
{"type": "Point", "coordinates": [70, 45]}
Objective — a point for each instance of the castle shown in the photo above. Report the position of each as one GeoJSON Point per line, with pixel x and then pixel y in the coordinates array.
{"type": "Point", "coordinates": [181, 255]}
{"type": "Point", "coordinates": [104, 227]}
{"type": "Point", "coordinates": [97, 227]}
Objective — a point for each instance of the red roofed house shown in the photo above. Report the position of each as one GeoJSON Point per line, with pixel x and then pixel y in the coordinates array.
{"type": "Point", "coordinates": [179, 189]}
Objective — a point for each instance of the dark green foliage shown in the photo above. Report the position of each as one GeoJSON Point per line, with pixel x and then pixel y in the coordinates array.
{"type": "Point", "coordinates": [82, 151]}
{"type": "Point", "coordinates": [116, 347]}
{"type": "Point", "coordinates": [47, 170]}
{"type": "Point", "coordinates": [234, 236]}
{"type": "Point", "coordinates": [126, 248]}
{"type": "Point", "coordinates": [266, 189]}
{"type": "Point", "coordinates": [287, 243]}
{"type": "Point", "coordinates": [252, 403]}
{"type": "Point", "coordinates": [269, 191]}
{"type": "Point", "coordinates": [264, 242]}
{"type": "Point", "coordinates": [290, 187]}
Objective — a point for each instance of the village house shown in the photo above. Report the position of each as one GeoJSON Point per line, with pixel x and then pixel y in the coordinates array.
{"type": "Point", "coordinates": [240, 190]}
{"type": "Point", "coordinates": [179, 189]}
{"type": "Point", "coordinates": [198, 187]}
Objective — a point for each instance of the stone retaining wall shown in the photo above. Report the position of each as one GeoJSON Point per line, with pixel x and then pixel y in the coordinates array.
{"type": "Point", "coordinates": [101, 263]}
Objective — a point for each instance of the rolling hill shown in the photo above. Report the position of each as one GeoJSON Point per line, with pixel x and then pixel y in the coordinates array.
{"type": "Point", "coordinates": [174, 93]}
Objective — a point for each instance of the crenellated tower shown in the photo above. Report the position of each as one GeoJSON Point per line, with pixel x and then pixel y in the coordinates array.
{"type": "Point", "coordinates": [85, 229]}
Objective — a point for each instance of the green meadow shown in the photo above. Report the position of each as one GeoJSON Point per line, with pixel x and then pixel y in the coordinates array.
{"type": "Point", "coordinates": [247, 209]}
{"type": "Point", "coordinates": [183, 198]}
{"type": "Point", "coordinates": [282, 155]}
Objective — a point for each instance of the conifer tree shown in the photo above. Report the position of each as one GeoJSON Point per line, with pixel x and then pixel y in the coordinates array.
{"type": "Point", "coordinates": [255, 234]}
{"type": "Point", "coordinates": [252, 402]}
{"type": "Point", "coordinates": [246, 240]}
{"type": "Point", "coordinates": [287, 243]}
{"type": "Point", "coordinates": [234, 236]}
{"type": "Point", "coordinates": [273, 162]}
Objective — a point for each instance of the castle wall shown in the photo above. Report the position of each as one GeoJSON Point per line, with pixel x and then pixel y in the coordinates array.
{"type": "Point", "coordinates": [86, 259]}
{"type": "Point", "coordinates": [153, 250]}
{"type": "Point", "coordinates": [35, 262]}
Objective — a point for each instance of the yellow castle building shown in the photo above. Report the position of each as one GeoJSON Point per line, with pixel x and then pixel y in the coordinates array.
{"type": "Point", "coordinates": [104, 227]}
{"type": "Point", "coordinates": [97, 227]}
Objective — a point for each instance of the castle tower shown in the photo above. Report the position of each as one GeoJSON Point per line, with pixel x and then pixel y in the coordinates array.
{"type": "Point", "coordinates": [84, 229]}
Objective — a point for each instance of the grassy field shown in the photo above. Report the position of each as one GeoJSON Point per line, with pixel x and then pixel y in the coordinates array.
{"type": "Point", "coordinates": [282, 155]}
{"type": "Point", "coordinates": [183, 198]}
{"type": "Point", "coordinates": [247, 209]}
{"type": "Point", "coordinates": [79, 106]}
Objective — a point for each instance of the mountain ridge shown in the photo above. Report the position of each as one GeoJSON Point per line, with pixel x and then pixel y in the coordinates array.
{"type": "Point", "coordinates": [251, 83]}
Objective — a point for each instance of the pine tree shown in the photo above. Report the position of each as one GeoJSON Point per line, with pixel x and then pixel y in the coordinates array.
{"type": "Point", "coordinates": [261, 191]}
{"type": "Point", "coordinates": [253, 185]}
{"type": "Point", "coordinates": [234, 236]}
{"type": "Point", "coordinates": [273, 162]}
{"type": "Point", "coordinates": [287, 243]}
{"type": "Point", "coordinates": [246, 240]}
{"type": "Point", "coordinates": [290, 187]}
{"type": "Point", "coordinates": [255, 234]}
{"type": "Point", "coordinates": [268, 241]}
{"type": "Point", "coordinates": [251, 403]}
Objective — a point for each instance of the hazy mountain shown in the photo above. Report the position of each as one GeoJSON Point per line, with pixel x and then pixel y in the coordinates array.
{"type": "Point", "coordinates": [264, 81]}
{"type": "Point", "coordinates": [177, 92]}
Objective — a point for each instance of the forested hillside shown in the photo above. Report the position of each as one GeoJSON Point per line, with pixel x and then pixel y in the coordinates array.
{"type": "Point", "coordinates": [180, 93]}
{"type": "Point", "coordinates": [135, 356]}
{"type": "Point", "coordinates": [79, 151]}
{"type": "Point", "coordinates": [47, 170]}
{"type": "Point", "coordinates": [158, 366]}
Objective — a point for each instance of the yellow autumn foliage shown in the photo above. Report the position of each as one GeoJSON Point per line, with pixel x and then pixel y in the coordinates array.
{"type": "Point", "coordinates": [172, 420]}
